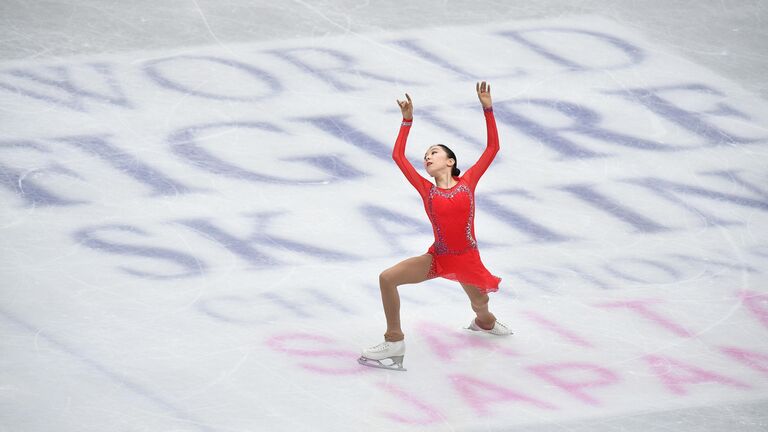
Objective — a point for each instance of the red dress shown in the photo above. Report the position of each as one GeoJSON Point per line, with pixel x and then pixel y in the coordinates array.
{"type": "Point", "coordinates": [452, 213]}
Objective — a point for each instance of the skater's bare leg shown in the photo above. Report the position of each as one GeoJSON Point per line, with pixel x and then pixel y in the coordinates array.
{"type": "Point", "coordinates": [409, 271]}
{"type": "Point", "coordinates": [485, 319]}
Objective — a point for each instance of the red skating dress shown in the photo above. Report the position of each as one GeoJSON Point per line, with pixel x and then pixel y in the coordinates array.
{"type": "Point", "coordinates": [452, 213]}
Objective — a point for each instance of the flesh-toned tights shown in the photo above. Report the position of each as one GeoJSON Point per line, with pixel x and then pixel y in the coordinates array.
{"type": "Point", "coordinates": [414, 270]}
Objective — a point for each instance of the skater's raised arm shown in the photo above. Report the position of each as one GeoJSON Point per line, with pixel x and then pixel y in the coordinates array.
{"type": "Point", "coordinates": [406, 107]}
{"type": "Point", "coordinates": [474, 173]}
{"type": "Point", "coordinates": [398, 153]}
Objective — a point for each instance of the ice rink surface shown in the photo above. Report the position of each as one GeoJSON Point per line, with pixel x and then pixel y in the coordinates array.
{"type": "Point", "coordinates": [198, 198]}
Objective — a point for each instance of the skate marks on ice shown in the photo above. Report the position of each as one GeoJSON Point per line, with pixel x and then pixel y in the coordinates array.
{"type": "Point", "coordinates": [572, 363]}
{"type": "Point", "coordinates": [746, 417]}
{"type": "Point", "coordinates": [191, 219]}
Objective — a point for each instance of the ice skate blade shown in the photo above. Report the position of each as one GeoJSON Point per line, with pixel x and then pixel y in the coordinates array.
{"type": "Point", "coordinates": [397, 363]}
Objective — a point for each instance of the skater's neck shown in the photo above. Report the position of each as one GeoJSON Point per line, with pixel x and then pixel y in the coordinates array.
{"type": "Point", "coordinates": [445, 180]}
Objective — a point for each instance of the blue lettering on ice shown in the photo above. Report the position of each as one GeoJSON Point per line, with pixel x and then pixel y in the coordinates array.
{"type": "Point", "coordinates": [516, 220]}
{"type": "Point", "coordinates": [22, 183]}
{"type": "Point", "coordinates": [249, 311]}
{"type": "Point", "coordinates": [184, 144]}
{"type": "Point", "coordinates": [670, 190]}
{"type": "Point", "coordinates": [190, 265]}
{"type": "Point", "coordinates": [381, 219]}
{"type": "Point", "coordinates": [127, 164]}
{"type": "Point", "coordinates": [691, 121]}
{"type": "Point", "coordinates": [346, 65]}
{"type": "Point", "coordinates": [735, 177]}
{"type": "Point", "coordinates": [760, 250]}
{"type": "Point", "coordinates": [585, 122]}
{"type": "Point", "coordinates": [247, 249]}
{"type": "Point", "coordinates": [331, 163]}
{"type": "Point", "coordinates": [589, 195]}
{"type": "Point", "coordinates": [324, 299]}
{"type": "Point", "coordinates": [212, 307]}
{"type": "Point", "coordinates": [634, 54]}
{"type": "Point", "coordinates": [589, 277]}
{"type": "Point", "coordinates": [630, 276]}
{"type": "Point", "coordinates": [413, 46]}
{"type": "Point", "coordinates": [63, 89]}
{"type": "Point", "coordinates": [540, 279]}
{"type": "Point", "coordinates": [708, 264]}
{"type": "Point", "coordinates": [153, 70]}
{"type": "Point", "coordinates": [304, 310]}
{"type": "Point", "coordinates": [291, 305]}
{"type": "Point", "coordinates": [452, 130]}
{"type": "Point", "coordinates": [338, 127]}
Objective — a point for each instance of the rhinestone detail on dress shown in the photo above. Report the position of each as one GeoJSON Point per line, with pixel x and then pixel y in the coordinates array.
{"type": "Point", "coordinates": [440, 247]}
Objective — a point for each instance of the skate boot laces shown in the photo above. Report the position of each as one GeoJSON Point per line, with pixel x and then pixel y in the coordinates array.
{"type": "Point", "coordinates": [385, 349]}
{"type": "Point", "coordinates": [498, 329]}
{"type": "Point", "coordinates": [384, 346]}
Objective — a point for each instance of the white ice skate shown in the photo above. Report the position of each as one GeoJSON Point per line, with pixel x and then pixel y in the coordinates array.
{"type": "Point", "coordinates": [388, 351]}
{"type": "Point", "coordinates": [498, 329]}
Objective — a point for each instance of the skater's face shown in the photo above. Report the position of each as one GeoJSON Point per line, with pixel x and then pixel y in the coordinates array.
{"type": "Point", "coordinates": [436, 160]}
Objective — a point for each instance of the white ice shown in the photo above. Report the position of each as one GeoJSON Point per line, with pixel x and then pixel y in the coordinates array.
{"type": "Point", "coordinates": [198, 198]}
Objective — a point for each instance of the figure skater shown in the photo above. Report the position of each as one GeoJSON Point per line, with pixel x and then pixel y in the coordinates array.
{"type": "Point", "coordinates": [450, 206]}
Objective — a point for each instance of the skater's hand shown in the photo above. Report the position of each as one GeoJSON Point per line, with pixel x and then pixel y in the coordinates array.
{"type": "Point", "coordinates": [484, 94]}
{"type": "Point", "coordinates": [406, 107]}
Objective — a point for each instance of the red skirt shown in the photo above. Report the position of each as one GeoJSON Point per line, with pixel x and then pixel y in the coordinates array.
{"type": "Point", "coordinates": [465, 268]}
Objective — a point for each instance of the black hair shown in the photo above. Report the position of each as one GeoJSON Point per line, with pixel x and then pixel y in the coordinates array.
{"type": "Point", "coordinates": [455, 171]}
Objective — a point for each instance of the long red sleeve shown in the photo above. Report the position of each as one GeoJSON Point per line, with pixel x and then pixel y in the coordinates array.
{"type": "Point", "coordinates": [473, 174]}
{"type": "Point", "coordinates": [398, 154]}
